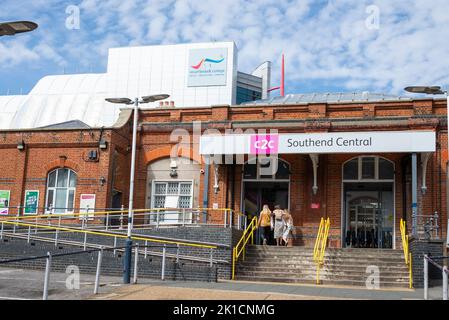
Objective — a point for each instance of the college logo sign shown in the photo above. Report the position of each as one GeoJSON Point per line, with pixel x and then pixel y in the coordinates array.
{"type": "Point", "coordinates": [207, 67]}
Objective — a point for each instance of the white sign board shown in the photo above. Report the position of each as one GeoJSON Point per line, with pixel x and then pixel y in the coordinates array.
{"type": "Point", "coordinates": [320, 143]}
{"type": "Point", "coordinates": [87, 205]}
{"type": "Point", "coordinates": [207, 67]}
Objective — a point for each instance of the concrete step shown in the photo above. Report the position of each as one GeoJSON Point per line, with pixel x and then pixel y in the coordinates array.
{"type": "Point", "coordinates": [328, 268]}
{"type": "Point", "coordinates": [383, 284]}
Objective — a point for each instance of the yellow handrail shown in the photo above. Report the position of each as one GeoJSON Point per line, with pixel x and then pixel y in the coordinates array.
{"type": "Point", "coordinates": [407, 253]}
{"type": "Point", "coordinates": [239, 249]}
{"type": "Point", "coordinates": [102, 213]}
{"type": "Point", "coordinates": [320, 246]}
{"type": "Point", "coordinates": [108, 234]}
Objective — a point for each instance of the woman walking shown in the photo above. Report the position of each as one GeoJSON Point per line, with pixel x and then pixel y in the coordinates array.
{"type": "Point", "coordinates": [278, 215]}
{"type": "Point", "coordinates": [288, 229]}
{"type": "Point", "coordinates": [265, 224]}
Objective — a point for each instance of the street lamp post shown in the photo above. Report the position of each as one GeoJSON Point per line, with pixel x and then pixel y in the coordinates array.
{"type": "Point", "coordinates": [13, 28]}
{"type": "Point", "coordinates": [433, 90]}
{"type": "Point", "coordinates": [136, 102]}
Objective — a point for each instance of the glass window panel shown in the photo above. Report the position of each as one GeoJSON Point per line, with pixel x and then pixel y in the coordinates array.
{"type": "Point", "coordinates": [72, 182]}
{"type": "Point", "coordinates": [52, 179]}
{"type": "Point", "coordinates": [61, 200]}
{"type": "Point", "coordinates": [160, 188]}
{"type": "Point", "coordinates": [63, 176]}
{"type": "Point", "coordinates": [186, 188]}
{"type": "Point", "coordinates": [50, 197]}
{"type": "Point", "coordinates": [250, 171]}
{"type": "Point", "coordinates": [267, 169]}
{"type": "Point", "coordinates": [351, 170]}
{"type": "Point", "coordinates": [184, 202]}
{"type": "Point", "coordinates": [386, 170]}
{"type": "Point", "coordinates": [173, 188]}
{"type": "Point", "coordinates": [159, 201]}
{"type": "Point", "coordinates": [283, 170]}
{"type": "Point", "coordinates": [71, 200]}
{"type": "Point", "coordinates": [368, 168]}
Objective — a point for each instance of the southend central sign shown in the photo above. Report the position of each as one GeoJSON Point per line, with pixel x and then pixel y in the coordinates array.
{"type": "Point", "coordinates": [308, 143]}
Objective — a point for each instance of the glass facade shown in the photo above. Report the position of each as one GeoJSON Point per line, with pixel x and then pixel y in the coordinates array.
{"type": "Point", "coordinates": [245, 95]}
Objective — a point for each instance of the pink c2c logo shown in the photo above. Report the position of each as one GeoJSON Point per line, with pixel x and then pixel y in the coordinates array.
{"type": "Point", "coordinates": [264, 144]}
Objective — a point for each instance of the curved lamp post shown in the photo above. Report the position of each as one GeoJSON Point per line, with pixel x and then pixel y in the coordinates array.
{"type": "Point", "coordinates": [433, 90]}
{"type": "Point", "coordinates": [136, 102]}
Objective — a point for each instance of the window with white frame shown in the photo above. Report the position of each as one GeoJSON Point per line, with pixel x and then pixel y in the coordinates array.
{"type": "Point", "coordinates": [368, 169]}
{"type": "Point", "coordinates": [61, 188]}
{"type": "Point", "coordinates": [172, 194]}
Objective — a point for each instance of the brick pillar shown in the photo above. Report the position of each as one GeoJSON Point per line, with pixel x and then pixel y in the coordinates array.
{"type": "Point", "coordinates": [419, 248]}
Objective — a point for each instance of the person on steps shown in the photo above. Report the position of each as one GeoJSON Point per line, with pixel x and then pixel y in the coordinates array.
{"type": "Point", "coordinates": [278, 215]}
{"type": "Point", "coordinates": [264, 224]}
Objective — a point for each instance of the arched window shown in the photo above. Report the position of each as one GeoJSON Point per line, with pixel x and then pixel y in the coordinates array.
{"type": "Point", "coordinates": [368, 168]}
{"type": "Point", "coordinates": [61, 187]}
{"type": "Point", "coordinates": [266, 169]}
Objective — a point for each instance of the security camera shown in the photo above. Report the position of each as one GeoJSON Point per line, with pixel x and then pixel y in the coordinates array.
{"type": "Point", "coordinates": [202, 171]}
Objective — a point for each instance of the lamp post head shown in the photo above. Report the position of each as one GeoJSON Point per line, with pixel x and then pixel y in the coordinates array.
{"type": "Point", "coordinates": [155, 97]}
{"type": "Point", "coordinates": [12, 28]}
{"type": "Point", "coordinates": [119, 100]}
{"type": "Point", "coordinates": [425, 89]}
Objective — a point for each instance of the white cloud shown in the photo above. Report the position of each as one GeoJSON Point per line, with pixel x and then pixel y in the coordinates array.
{"type": "Point", "coordinates": [324, 42]}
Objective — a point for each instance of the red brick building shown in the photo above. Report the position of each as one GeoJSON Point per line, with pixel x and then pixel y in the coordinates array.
{"type": "Point", "coordinates": [365, 194]}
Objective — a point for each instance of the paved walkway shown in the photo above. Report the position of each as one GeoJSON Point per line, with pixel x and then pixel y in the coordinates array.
{"type": "Point", "coordinates": [238, 290]}
{"type": "Point", "coordinates": [18, 284]}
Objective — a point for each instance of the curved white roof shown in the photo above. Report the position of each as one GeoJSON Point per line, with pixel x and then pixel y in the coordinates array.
{"type": "Point", "coordinates": [57, 99]}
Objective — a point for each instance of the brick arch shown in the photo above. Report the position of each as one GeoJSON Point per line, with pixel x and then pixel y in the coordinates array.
{"type": "Point", "coordinates": [57, 164]}
{"type": "Point", "coordinates": [165, 152]}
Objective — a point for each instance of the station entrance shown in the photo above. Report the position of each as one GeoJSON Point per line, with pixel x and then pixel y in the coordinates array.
{"type": "Point", "coordinates": [368, 203]}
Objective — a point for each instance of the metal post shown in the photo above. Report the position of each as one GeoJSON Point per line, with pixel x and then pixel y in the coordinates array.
{"type": "Point", "coordinates": [59, 221]}
{"type": "Point", "coordinates": [426, 277]}
{"type": "Point", "coordinates": [47, 276]}
{"type": "Point", "coordinates": [128, 250]}
{"type": "Point", "coordinates": [183, 217]}
{"type": "Point", "coordinates": [1, 231]}
{"type": "Point", "coordinates": [136, 262]}
{"type": "Point", "coordinates": [445, 283]}
{"type": "Point", "coordinates": [414, 193]}
{"type": "Point", "coordinates": [97, 275]}
{"type": "Point", "coordinates": [211, 262]}
{"type": "Point", "coordinates": [157, 218]}
{"type": "Point", "coordinates": [29, 234]}
{"type": "Point", "coordinates": [177, 254]}
{"type": "Point", "coordinates": [225, 218]}
{"type": "Point", "coordinates": [231, 220]}
{"type": "Point", "coordinates": [115, 245]}
{"type": "Point", "coordinates": [107, 221]}
{"type": "Point", "coordinates": [85, 240]}
{"type": "Point", "coordinates": [56, 237]}
{"type": "Point", "coordinates": [163, 262]}
{"type": "Point", "coordinates": [121, 217]}
{"type": "Point", "coordinates": [35, 227]}
{"type": "Point", "coordinates": [146, 249]}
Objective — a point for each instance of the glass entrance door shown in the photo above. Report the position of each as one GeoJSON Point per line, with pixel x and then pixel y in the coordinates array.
{"type": "Point", "coordinates": [369, 218]}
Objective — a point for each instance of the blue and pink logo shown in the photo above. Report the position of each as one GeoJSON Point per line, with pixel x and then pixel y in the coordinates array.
{"type": "Point", "coordinates": [198, 66]}
{"type": "Point", "coordinates": [264, 144]}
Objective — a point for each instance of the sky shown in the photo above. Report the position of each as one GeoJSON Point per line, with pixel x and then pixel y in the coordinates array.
{"type": "Point", "coordinates": [329, 46]}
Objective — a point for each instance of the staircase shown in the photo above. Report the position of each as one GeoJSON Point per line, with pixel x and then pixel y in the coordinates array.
{"type": "Point", "coordinates": [346, 267]}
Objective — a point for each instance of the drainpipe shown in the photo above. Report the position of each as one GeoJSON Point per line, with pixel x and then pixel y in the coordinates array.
{"type": "Point", "coordinates": [206, 191]}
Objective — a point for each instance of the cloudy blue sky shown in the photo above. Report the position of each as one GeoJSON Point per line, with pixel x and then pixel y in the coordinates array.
{"type": "Point", "coordinates": [334, 45]}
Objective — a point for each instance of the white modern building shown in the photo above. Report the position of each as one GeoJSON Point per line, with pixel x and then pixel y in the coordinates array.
{"type": "Point", "coordinates": [200, 74]}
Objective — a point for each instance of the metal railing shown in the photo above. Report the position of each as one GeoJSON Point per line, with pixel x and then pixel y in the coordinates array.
{"type": "Point", "coordinates": [49, 257]}
{"type": "Point", "coordinates": [240, 248]}
{"type": "Point", "coordinates": [444, 270]}
{"type": "Point", "coordinates": [407, 253]}
{"type": "Point", "coordinates": [427, 226]}
{"type": "Point", "coordinates": [143, 218]}
{"type": "Point", "coordinates": [319, 249]}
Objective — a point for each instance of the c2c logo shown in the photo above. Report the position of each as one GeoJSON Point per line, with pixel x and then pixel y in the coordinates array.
{"type": "Point", "coordinates": [264, 144]}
